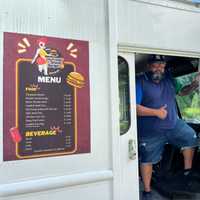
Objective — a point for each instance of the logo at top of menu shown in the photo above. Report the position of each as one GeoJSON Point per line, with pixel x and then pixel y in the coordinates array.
{"type": "Point", "coordinates": [48, 60]}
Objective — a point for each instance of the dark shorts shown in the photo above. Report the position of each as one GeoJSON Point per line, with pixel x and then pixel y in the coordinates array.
{"type": "Point", "coordinates": [181, 136]}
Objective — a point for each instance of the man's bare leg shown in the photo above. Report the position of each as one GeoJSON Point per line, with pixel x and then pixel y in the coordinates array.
{"type": "Point", "coordinates": [146, 172]}
{"type": "Point", "coordinates": [188, 157]}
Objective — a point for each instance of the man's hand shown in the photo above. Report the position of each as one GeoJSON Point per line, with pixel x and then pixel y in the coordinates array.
{"type": "Point", "coordinates": [162, 112]}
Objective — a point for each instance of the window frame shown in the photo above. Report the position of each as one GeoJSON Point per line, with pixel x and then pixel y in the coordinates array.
{"type": "Point", "coordinates": [128, 107]}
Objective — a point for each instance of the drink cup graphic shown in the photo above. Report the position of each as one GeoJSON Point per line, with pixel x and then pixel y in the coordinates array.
{"type": "Point", "coordinates": [15, 134]}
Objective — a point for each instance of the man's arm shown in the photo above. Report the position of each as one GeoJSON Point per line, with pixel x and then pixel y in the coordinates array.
{"type": "Point", "coordinates": [191, 87]}
{"type": "Point", "coordinates": [188, 88]}
{"type": "Point", "coordinates": [145, 111]}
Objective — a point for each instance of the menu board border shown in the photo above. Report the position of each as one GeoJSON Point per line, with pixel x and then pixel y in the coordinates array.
{"type": "Point", "coordinates": [17, 111]}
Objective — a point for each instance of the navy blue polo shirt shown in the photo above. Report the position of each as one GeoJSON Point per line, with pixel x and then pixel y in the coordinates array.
{"type": "Point", "coordinates": [156, 95]}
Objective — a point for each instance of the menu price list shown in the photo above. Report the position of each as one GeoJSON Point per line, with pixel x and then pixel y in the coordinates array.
{"type": "Point", "coordinates": [46, 121]}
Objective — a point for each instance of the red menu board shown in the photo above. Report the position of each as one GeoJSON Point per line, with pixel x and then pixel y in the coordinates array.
{"type": "Point", "coordinates": [46, 96]}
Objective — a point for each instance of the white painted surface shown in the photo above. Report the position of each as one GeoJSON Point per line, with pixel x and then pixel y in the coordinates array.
{"type": "Point", "coordinates": [66, 19]}
{"type": "Point", "coordinates": [88, 176]}
{"type": "Point", "coordinates": [129, 167]}
{"type": "Point", "coordinates": [157, 26]}
{"type": "Point", "coordinates": [100, 190]}
{"type": "Point", "coordinates": [114, 97]}
{"type": "Point", "coordinates": [73, 19]}
{"type": "Point", "coordinates": [139, 24]}
{"type": "Point", "coordinates": [52, 183]}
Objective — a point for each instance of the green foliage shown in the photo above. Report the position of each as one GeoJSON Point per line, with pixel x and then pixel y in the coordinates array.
{"type": "Point", "coordinates": [189, 105]}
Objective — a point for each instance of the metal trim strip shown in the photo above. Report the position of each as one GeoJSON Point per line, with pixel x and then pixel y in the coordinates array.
{"type": "Point", "coordinates": [39, 185]}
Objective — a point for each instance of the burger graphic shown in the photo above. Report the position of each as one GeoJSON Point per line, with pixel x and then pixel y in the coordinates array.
{"type": "Point", "coordinates": [75, 79]}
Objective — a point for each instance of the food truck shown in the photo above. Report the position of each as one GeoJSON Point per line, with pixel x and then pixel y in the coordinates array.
{"type": "Point", "coordinates": [68, 109]}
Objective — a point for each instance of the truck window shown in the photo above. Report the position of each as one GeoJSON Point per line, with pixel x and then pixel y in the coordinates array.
{"type": "Point", "coordinates": [189, 105]}
{"type": "Point", "coordinates": [124, 105]}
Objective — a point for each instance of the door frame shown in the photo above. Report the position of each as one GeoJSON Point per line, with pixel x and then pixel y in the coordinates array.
{"type": "Point", "coordinates": [129, 158]}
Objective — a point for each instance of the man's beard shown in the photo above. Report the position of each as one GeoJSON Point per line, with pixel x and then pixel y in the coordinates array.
{"type": "Point", "coordinates": [157, 76]}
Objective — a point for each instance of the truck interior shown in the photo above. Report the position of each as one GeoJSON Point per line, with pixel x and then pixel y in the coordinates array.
{"type": "Point", "coordinates": [166, 179]}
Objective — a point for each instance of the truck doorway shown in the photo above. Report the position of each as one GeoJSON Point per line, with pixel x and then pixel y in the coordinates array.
{"type": "Point", "coordinates": [166, 178]}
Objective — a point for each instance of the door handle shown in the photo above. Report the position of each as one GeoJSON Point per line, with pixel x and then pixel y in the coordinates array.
{"type": "Point", "coordinates": [132, 149]}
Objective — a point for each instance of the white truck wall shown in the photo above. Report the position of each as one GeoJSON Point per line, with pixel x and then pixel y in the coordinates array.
{"type": "Point", "coordinates": [90, 191]}
{"type": "Point", "coordinates": [71, 19]}
{"type": "Point", "coordinates": [167, 25]}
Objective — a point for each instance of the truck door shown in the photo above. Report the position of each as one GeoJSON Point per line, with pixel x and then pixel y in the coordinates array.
{"type": "Point", "coordinates": [128, 128]}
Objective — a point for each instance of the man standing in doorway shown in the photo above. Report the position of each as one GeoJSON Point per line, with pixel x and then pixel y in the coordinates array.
{"type": "Point", "coordinates": [158, 121]}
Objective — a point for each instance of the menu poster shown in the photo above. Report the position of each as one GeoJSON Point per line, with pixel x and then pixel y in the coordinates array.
{"type": "Point", "coordinates": [46, 104]}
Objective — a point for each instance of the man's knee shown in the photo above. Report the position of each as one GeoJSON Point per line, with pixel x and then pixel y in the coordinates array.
{"type": "Point", "coordinates": [150, 151]}
{"type": "Point", "coordinates": [183, 136]}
